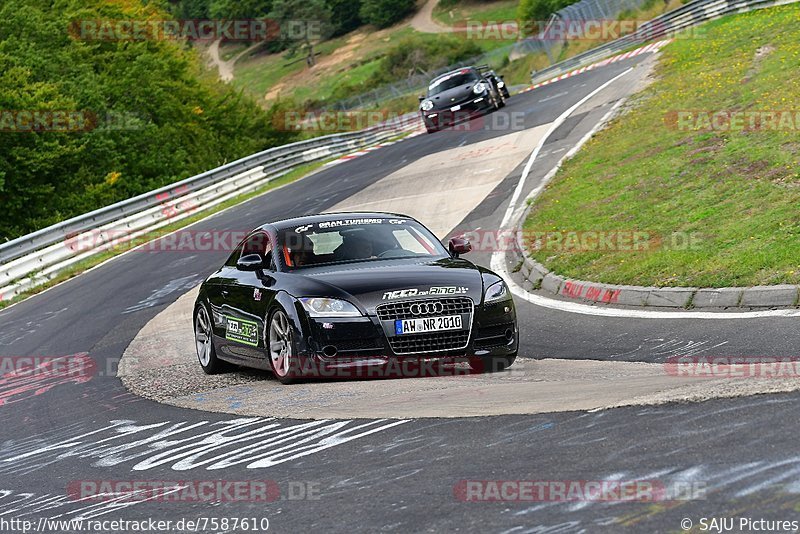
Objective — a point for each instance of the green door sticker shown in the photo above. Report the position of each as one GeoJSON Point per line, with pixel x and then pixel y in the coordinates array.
{"type": "Point", "coordinates": [242, 331]}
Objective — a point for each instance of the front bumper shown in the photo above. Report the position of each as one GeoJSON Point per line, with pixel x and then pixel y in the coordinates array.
{"type": "Point", "coordinates": [360, 343]}
{"type": "Point", "coordinates": [474, 107]}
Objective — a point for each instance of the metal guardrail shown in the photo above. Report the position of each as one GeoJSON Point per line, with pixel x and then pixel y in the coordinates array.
{"type": "Point", "coordinates": [573, 15]}
{"type": "Point", "coordinates": [667, 25]}
{"type": "Point", "coordinates": [32, 259]}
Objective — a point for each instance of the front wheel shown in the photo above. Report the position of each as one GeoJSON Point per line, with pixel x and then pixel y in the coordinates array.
{"type": "Point", "coordinates": [491, 364]}
{"type": "Point", "coordinates": [280, 343]}
{"type": "Point", "coordinates": [501, 97]}
{"type": "Point", "coordinates": [204, 343]}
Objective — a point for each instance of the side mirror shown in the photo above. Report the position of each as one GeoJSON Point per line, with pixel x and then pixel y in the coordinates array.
{"type": "Point", "coordinates": [458, 246]}
{"type": "Point", "coordinates": [421, 98]}
{"type": "Point", "coordinates": [250, 262]}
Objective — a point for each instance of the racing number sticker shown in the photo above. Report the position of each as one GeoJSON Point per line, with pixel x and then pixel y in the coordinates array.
{"type": "Point", "coordinates": [242, 331]}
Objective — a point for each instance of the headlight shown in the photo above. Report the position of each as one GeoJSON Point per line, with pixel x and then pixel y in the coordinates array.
{"type": "Point", "coordinates": [323, 307]}
{"type": "Point", "coordinates": [427, 105]}
{"type": "Point", "coordinates": [495, 292]}
{"type": "Point", "coordinates": [479, 88]}
{"type": "Point", "coordinates": [501, 84]}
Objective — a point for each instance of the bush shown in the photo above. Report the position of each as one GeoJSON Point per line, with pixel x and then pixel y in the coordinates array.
{"type": "Point", "coordinates": [383, 13]}
{"type": "Point", "coordinates": [415, 55]}
{"type": "Point", "coordinates": [539, 10]}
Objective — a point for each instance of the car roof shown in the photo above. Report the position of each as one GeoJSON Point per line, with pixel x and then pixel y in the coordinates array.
{"type": "Point", "coordinates": [454, 71]}
{"type": "Point", "coordinates": [323, 217]}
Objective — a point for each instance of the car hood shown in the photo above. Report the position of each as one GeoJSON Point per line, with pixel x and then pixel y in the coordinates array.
{"type": "Point", "coordinates": [453, 96]}
{"type": "Point", "coordinates": [370, 284]}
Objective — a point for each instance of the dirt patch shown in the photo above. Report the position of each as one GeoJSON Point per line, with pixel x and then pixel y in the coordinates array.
{"type": "Point", "coordinates": [793, 147]}
{"type": "Point", "coordinates": [342, 59]}
{"type": "Point", "coordinates": [758, 58]}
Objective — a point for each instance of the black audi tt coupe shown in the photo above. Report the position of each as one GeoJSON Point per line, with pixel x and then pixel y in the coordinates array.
{"type": "Point", "coordinates": [324, 293]}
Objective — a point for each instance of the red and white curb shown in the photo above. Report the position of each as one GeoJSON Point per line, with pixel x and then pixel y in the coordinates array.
{"type": "Point", "coordinates": [652, 47]}
{"type": "Point", "coordinates": [354, 155]}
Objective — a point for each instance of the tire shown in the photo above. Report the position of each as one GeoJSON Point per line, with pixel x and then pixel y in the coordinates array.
{"type": "Point", "coordinates": [281, 347]}
{"type": "Point", "coordinates": [431, 129]}
{"type": "Point", "coordinates": [204, 344]}
{"type": "Point", "coordinates": [495, 102]}
{"type": "Point", "coordinates": [500, 97]}
{"type": "Point", "coordinates": [491, 364]}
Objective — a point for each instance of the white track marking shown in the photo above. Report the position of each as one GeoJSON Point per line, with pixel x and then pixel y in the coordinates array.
{"type": "Point", "coordinates": [553, 127]}
{"type": "Point", "coordinates": [498, 263]}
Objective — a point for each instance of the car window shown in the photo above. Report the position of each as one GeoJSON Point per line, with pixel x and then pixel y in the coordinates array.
{"type": "Point", "coordinates": [258, 243]}
{"type": "Point", "coordinates": [412, 241]}
{"type": "Point", "coordinates": [451, 81]}
{"type": "Point", "coordinates": [326, 243]}
{"type": "Point", "coordinates": [235, 255]}
{"type": "Point", "coordinates": [354, 240]}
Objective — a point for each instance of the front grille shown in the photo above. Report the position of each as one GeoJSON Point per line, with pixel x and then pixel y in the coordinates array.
{"type": "Point", "coordinates": [402, 310]}
{"type": "Point", "coordinates": [430, 342]}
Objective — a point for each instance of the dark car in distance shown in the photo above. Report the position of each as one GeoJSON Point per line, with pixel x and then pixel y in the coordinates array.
{"type": "Point", "coordinates": [460, 95]}
{"type": "Point", "coordinates": [351, 290]}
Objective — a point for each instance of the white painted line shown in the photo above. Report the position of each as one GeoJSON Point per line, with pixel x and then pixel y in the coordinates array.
{"type": "Point", "coordinates": [558, 122]}
{"type": "Point", "coordinates": [583, 309]}
{"type": "Point", "coordinates": [553, 97]}
{"type": "Point", "coordinates": [498, 263]}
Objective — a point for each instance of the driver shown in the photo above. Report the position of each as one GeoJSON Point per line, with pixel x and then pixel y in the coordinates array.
{"type": "Point", "coordinates": [301, 250]}
{"type": "Point", "coordinates": [354, 247]}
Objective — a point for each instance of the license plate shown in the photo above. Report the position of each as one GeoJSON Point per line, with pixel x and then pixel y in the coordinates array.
{"type": "Point", "coordinates": [428, 324]}
{"type": "Point", "coordinates": [455, 108]}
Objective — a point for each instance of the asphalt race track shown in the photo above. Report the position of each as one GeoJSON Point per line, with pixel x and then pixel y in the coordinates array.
{"type": "Point", "coordinates": [406, 475]}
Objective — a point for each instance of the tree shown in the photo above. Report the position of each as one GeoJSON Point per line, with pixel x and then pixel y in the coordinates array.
{"type": "Point", "coordinates": [383, 13]}
{"type": "Point", "coordinates": [303, 23]}
{"type": "Point", "coordinates": [345, 16]}
{"type": "Point", "coordinates": [239, 9]}
{"type": "Point", "coordinates": [150, 118]}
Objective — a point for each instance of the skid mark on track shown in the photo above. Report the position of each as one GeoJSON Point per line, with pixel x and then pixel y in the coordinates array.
{"type": "Point", "coordinates": [16, 330]}
{"type": "Point", "coordinates": [659, 348]}
{"type": "Point", "coordinates": [179, 285]}
{"type": "Point", "coordinates": [250, 442]}
{"type": "Point", "coordinates": [25, 504]}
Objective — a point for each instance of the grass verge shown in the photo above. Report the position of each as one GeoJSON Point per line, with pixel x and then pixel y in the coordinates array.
{"type": "Point", "coordinates": [717, 205]}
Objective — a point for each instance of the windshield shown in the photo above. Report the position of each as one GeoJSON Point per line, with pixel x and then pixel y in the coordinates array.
{"type": "Point", "coordinates": [357, 240]}
{"type": "Point", "coordinates": [452, 80]}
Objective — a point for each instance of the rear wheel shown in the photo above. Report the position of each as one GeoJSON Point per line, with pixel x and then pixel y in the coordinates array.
{"type": "Point", "coordinates": [491, 364]}
{"type": "Point", "coordinates": [204, 343]}
{"type": "Point", "coordinates": [280, 344]}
